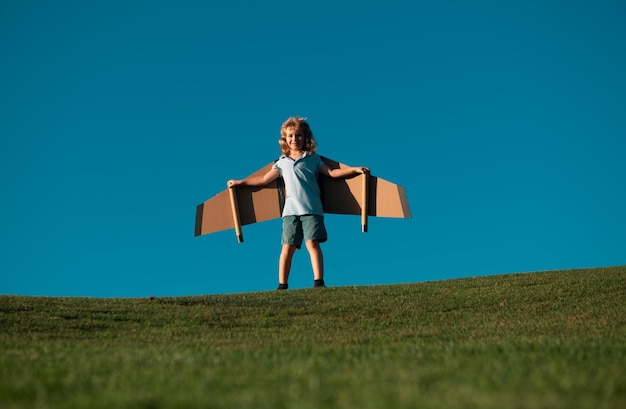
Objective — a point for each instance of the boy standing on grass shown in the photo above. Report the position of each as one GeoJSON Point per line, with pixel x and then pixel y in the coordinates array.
{"type": "Point", "coordinates": [303, 214]}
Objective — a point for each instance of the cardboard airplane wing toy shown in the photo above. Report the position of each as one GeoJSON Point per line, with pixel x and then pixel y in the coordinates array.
{"type": "Point", "coordinates": [363, 194]}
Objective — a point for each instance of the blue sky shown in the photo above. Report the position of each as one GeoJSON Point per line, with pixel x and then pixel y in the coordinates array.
{"type": "Point", "coordinates": [504, 121]}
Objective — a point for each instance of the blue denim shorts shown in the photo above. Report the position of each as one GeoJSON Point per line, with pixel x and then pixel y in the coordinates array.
{"type": "Point", "coordinates": [299, 228]}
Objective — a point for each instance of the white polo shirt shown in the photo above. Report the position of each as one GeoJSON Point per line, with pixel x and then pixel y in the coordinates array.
{"type": "Point", "coordinates": [302, 190]}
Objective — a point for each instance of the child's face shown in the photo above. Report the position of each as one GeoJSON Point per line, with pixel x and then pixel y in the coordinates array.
{"type": "Point", "coordinates": [294, 139]}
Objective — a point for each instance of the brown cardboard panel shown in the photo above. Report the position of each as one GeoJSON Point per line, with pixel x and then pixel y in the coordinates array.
{"type": "Point", "coordinates": [255, 204]}
{"type": "Point", "coordinates": [214, 215]}
{"type": "Point", "coordinates": [339, 196]}
{"type": "Point", "coordinates": [387, 199]}
{"type": "Point", "coordinates": [345, 196]}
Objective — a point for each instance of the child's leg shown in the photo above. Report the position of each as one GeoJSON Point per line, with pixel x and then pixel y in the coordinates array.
{"type": "Point", "coordinates": [317, 258]}
{"type": "Point", "coordinates": [284, 263]}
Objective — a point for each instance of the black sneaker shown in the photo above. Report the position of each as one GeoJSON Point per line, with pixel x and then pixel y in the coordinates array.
{"type": "Point", "coordinates": [282, 286]}
{"type": "Point", "coordinates": [319, 283]}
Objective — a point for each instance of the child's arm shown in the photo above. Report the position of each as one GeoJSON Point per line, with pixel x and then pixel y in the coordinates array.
{"type": "Point", "coordinates": [342, 172]}
{"type": "Point", "coordinates": [262, 180]}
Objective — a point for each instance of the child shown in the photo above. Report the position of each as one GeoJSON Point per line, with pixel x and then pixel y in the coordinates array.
{"type": "Point", "coordinates": [303, 214]}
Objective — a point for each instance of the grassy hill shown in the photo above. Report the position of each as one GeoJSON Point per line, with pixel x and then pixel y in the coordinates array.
{"type": "Point", "coordinates": [537, 340]}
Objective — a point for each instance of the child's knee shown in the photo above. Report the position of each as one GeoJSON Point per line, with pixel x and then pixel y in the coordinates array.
{"type": "Point", "coordinates": [313, 245]}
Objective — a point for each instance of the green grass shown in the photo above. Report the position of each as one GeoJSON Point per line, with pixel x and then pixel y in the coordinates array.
{"type": "Point", "coordinates": [536, 340]}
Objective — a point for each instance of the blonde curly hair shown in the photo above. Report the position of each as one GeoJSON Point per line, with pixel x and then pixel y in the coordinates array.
{"type": "Point", "coordinates": [299, 124]}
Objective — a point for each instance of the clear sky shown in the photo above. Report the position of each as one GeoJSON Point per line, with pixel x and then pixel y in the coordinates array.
{"type": "Point", "coordinates": [504, 120]}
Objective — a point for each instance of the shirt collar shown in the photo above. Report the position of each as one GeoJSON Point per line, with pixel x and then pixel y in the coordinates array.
{"type": "Point", "coordinates": [304, 155]}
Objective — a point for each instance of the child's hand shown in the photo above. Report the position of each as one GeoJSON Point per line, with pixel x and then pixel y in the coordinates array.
{"type": "Point", "coordinates": [233, 183]}
{"type": "Point", "coordinates": [361, 169]}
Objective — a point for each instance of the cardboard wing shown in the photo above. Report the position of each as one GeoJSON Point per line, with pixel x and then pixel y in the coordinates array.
{"type": "Point", "coordinates": [363, 194]}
